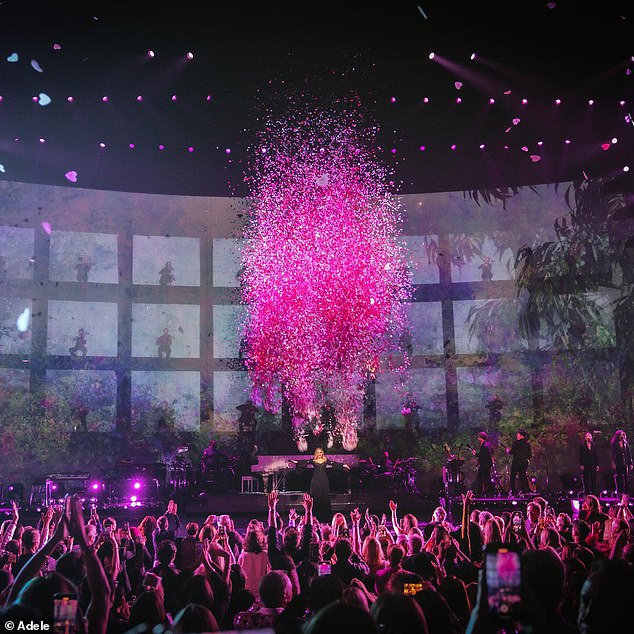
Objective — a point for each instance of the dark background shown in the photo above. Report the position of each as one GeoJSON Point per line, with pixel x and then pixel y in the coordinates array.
{"type": "Point", "coordinates": [253, 58]}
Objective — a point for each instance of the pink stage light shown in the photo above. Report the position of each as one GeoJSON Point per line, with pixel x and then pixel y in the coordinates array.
{"type": "Point", "coordinates": [137, 485]}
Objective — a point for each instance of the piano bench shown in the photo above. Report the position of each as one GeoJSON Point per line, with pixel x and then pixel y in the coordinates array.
{"type": "Point", "coordinates": [249, 484]}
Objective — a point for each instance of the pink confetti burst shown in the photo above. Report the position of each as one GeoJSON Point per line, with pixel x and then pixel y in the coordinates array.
{"type": "Point", "coordinates": [535, 158]}
{"type": "Point", "coordinates": [47, 227]}
{"type": "Point", "coordinates": [325, 278]}
{"type": "Point", "coordinates": [71, 176]}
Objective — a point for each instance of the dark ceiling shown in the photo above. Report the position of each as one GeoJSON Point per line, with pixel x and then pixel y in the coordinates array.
{"type": "Point", "coordinates": [252, 57]}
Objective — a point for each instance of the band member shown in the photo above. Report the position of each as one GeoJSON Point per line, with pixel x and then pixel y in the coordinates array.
{"type": "Point", "coordinates": [588, 463]}
{"type": "Point", "coordinates": [214, 462]}
{"type": "Point", "coordinates": [485, 465]}
{"type": "Point", "coordinates": [319, 482]}
{"type": "Point", "coordinates": [621, 460]}
{"type": "Point", "coordinates": [522, 454]}
{"type": "Point", "coordinates": [80, 346]}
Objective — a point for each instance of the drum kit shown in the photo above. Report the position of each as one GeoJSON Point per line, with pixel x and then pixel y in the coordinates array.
{"type": "Point", "coordinates": [399, 474]}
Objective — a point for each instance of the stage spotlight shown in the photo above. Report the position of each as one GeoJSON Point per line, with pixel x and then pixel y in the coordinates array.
{"type": "Point", "coordinates": [491, 101]}
{"type": "Point", "coordinates": [567, 141]}
{"type": "Point", "coordinates": [482, 146]}
{"type": "Point", "coordinates": [558, 102]}
{"type": "Point", "coordinates": [614, 140]}
{"type": "Point", "coordinates": [591, 102]}
{"type": "Point", "coordinates": [432, 55]}
{"type": "Point", "coordinates": [425, 99]}
{"type": "Point", "coordinates": [524, 101]}
{"type": "Point", "coordinates": [626, 168]}
{"type": "Point", "coordinates": [15, 492]}
{"type": "Point", "coordinates": [136, 486]}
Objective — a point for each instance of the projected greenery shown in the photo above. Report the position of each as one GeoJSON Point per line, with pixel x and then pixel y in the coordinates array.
{"type": "Point", "coordinates": [537, 312]}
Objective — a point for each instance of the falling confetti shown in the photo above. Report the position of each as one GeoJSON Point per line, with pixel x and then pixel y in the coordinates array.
{"type": "Point", "coordinates": [71, 176]}
{"type": "Point", "coordinates": [535, 158]}
{"type": "Point", "coordinates": [47, 227]}
{"type": "Point", "coordinates": [2, 168]}
{"type": "Point", "coordinates": [422, 12]}
{"type": "Point", "coordinates": [43, 99]}
{"type": "Point", "coordinates": [22, 323]}
{"type": "Point", "coordinates": [35, 66]}
{"type": "Point", "coordinates": [14, 57]}
{"type": "Point", "coordinates": [516, 120]}
{"type": "Point", "coordinates": [324, 271]}
{"type": "Point", "coordinates": [458, 85]}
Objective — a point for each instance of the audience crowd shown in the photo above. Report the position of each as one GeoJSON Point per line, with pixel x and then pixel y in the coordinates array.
{"type": "Point", "coordinates": [301, 575]}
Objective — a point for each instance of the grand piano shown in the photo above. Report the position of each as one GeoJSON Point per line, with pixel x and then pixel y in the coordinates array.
{"type": "Point", "coordinates": [279, 473]}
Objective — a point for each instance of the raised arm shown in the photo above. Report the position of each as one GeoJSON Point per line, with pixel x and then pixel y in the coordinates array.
{"type": "Point", "coordinates": [394, 518]}
{"type": "Point", "coordinates": [33, 566]}
{"type": "Point", "coordinates": [355, 520]}
{"type": "Point", "coordinates": [101, 600]}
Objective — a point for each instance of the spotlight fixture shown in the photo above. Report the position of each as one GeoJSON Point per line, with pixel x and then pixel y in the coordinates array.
{"type": "Point", "coordinates": [432, 55]}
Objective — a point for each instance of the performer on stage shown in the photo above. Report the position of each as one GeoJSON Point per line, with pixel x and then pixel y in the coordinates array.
{"type": "Point", "coordinates": [485, 465]}
{"type": "Point", "coordinates": [522, 454]}
{"type": "Point", "coordinates": [589, 464]}
{"type": "Point", "coordinates": [621, 460]}
{"type": "Point", "coordinates": [213, 462]}
{"type": "Point", "coordinates": [319, 483]}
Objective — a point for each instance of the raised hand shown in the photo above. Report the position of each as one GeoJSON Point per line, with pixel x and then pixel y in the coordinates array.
{"type": "Point", "coordinates": [75, 520]}
{"type": "Point", "coordinates": [308, 502]}
{"type": "Point", "coordinates": [355, 516]}
{"type": "Point", "coordinates": [272, 499]}
{"type": "Point", "coordinates": [393, 506]}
